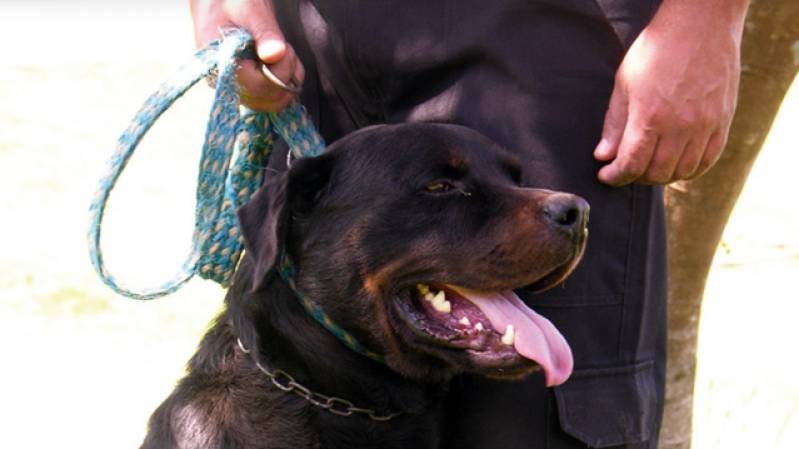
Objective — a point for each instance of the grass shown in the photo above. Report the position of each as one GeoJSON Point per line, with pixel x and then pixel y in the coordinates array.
{"type": "Point", "coordinates": [91, 367]}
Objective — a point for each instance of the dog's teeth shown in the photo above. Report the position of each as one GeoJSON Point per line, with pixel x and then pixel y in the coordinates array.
{"type": "Point", "coordinates": [424, 289]}
{"type": "Point", "coordinates": [440, 302]}
{"type": "Point", "coordinates": [443, 307]}
{"type": "Point", "coordinates": [429, 297]}
{"type": "Point", "coordinates": [509, 336]}
{"type": "Point", "coordinates": [465, 321]}
{"type": "Point", "coordinates": [478, 326]}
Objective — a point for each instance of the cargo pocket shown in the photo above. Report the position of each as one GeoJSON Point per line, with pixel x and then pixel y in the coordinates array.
{"type": "Point", "coordinates": [609, 406]}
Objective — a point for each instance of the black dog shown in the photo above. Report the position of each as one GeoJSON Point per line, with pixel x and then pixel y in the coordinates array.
{"type": "Point", "coordinates": [411, 239]}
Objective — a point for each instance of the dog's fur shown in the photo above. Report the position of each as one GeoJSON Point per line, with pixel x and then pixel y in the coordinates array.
{"type": "Point", "coordinates": [363, 225]}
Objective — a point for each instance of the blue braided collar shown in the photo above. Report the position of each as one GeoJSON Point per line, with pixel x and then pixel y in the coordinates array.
{"type": "Point", "coordinates": [287, 272]}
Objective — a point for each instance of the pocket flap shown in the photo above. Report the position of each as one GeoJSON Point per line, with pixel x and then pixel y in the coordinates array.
{"type": "Point", "coordinates": [609, 406]}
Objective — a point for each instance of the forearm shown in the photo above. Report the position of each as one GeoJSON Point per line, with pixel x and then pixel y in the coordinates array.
{"type": "Point", "coordinates": [711, 15]}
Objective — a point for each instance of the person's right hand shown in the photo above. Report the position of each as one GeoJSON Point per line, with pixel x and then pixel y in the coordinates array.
{"type": "Point", "coordinates": [258, 18]}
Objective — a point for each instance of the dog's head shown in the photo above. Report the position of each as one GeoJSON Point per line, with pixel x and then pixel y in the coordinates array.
{"type": "Point", "coordinates": [413, 237]}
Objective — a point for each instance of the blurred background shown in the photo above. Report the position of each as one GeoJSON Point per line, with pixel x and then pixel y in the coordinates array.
{"type": "Point", "coordinates": [84, 368]}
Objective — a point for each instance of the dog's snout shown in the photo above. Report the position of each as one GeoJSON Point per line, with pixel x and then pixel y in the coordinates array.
{"type": "Point", "coordinates": [566, 211]}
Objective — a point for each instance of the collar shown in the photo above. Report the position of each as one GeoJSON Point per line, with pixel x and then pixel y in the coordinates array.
{"type": "Point", "coordinates": [287, 271]}
{"type": "Point", "coordinates": [337, 406]}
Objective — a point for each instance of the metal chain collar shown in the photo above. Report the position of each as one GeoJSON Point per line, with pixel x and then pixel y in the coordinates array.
{"type": "Point", "coordinates": [337, 406]}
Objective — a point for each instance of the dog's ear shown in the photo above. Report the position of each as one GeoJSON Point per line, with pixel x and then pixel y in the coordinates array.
{"type": "Point", "coordinates": [265, 219]}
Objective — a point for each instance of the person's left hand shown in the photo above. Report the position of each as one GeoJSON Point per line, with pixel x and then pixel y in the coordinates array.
{"type": "Point", "coordinates": [674, 97]}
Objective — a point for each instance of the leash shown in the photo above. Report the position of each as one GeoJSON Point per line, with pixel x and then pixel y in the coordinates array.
{"type": "Point", "coordinates": [221, 188]}
{"type": "Point", "coordinates": [237, 143]}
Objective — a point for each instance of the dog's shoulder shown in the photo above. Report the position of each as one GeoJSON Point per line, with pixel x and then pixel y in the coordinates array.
{"type": "Point", "coordinates": [220, 404]}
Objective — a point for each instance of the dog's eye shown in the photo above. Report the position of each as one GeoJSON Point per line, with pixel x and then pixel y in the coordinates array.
{"type": "Point", "coordinates": [439, 187]}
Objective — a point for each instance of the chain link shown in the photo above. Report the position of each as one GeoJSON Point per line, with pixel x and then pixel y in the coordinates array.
{"type": "Point", "coordinates": [337, 406]}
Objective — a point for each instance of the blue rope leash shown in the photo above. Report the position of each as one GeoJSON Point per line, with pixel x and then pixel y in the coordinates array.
{"type": "Point", "coordinates": [235, 134]}
{"type": "Point", "coordinates": [222, 187]}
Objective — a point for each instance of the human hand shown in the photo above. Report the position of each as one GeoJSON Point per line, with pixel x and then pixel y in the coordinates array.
{"type": "Point", "coordinates": [257, 17]}
{"type": "Point", "coordinates": [674, 95]}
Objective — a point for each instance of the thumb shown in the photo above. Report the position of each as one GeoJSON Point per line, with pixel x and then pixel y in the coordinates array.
{"type": "Point", "coordinates": [613, 128]}
{"type": "Point", "coordinates": [270, 50]}
{"type": "Point", "coordinates": [269, 41]}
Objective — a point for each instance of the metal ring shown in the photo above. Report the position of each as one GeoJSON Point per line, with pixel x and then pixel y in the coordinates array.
{"type": "Point", "coordinates": [381, 418]}
{"type": "Point", "coordinates": [242, 347]}
{"type": "Point", "coordinates": [282, 380]}
{"type": "Point", "coordinates": [291, 87]}
{"type": "Point", "coordinates": [338, 406]}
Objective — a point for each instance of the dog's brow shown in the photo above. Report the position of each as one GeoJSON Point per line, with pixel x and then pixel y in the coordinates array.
{"type": "Point", "coordinates": [456, 167]}
{"type": "Point", "coordinates": [512, 167]}
{"type": "Point", "coordinates": [457, 161]}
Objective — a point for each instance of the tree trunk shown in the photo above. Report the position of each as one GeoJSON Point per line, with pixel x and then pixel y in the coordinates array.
{"type": "Point", "coordinates": [698, 210]}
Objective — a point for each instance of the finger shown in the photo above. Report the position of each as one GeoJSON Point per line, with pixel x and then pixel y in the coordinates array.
{"type": "Point", "coordinates": [299, 74]}
{"type": "Point", "coordinates": [286, 71]}
{"type": "Point", "coordinates": [276, 55]}
{"type": "Point", "coordinates": [273, 50]}
{"type": "Point", "coordinates": [259, 19]}
{"type": "Point", "coordinates": [635, 152]}
{"type": "Point", "coordinates": [256, 91]}
{"type": "Point", "coordinates": [712, 152]}
{"type": "Point", "coordinates": [258, 104]}
{"type": "Point", "coordinates": [665, 158]}
{"type": "Point", "coordinates": [613, 128]}
{"type": "Point", "coordinates": [691, 157]}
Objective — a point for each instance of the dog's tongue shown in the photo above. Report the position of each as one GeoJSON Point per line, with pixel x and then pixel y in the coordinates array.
{"type": "Point", "coordinates": [536, 338]}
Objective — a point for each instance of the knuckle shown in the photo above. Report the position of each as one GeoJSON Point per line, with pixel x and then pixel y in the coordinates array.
{"type": "Point", "coordinates": [704, 166]}
{"type": "Point", "coordinates": [649, 124]}
{"type": "Point", "coordinates": [685, 169]}
{"type": "Point", "coordinates": [682, 173]}
{"type": "Point", "coordinates": [722, 142]}
{"type": "Point", "coordinates": [685, 119]}
{"type": "Point", "coordinates": [657, 175]}
{"type": "Point", "coordinates": [692, 175]}
{"type": "Point", "coordinates": [636, 161]}
{"type": "Point", "coordinates": [706, 120]}
{"type": "Point", "coordinates": [632, 168]}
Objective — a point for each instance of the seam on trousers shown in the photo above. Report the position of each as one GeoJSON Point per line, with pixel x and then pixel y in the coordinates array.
{"type": "Point", "coordinates": [626, 292]}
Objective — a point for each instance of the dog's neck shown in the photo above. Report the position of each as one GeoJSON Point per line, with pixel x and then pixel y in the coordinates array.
{"type": "Point", "coordinates": [281, 335]}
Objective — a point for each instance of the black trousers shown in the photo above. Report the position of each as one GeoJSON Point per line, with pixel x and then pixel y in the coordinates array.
{"type": "Point", "coordinates": [535, 76]}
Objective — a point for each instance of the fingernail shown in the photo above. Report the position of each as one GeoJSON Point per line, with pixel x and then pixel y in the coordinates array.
{"type": "Point", "coordinates": [607, 176]}
{"type": "Point", "coordinates": [270, 48]}
{"type": "Point", "coordinates": [602, 149]}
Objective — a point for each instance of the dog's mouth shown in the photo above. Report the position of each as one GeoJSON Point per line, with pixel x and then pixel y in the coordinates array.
{"type": "Point", "coordinates": [560, 273]}
{"type": "Point", "coordinates": [496, 330]}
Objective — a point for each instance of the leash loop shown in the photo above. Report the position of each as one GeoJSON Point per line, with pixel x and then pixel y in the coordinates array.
{"type": "Point", "coordinates": [237, 144]}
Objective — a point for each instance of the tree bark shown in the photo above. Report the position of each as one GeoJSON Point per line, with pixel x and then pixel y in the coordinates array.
{"type": "Point", "coordinates": [698, 210]}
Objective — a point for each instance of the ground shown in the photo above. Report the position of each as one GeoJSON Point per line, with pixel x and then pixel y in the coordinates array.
{"type": "Point", "coordinates": [83, 367]}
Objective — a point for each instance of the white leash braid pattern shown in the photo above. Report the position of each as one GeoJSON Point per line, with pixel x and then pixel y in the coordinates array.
{"type": "Point", "coordinates": [222, 188]}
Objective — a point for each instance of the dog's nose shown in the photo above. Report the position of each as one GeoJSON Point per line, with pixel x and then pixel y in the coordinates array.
{"type": "Point", "coordinates": [566, 211]}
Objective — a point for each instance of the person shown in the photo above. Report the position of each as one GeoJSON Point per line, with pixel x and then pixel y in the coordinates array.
{"type": "Point", "coordinates": [609, 99]}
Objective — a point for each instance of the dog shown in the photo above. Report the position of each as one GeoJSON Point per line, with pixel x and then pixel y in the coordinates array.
{"type": "Point", "coordinates": [411, 239]}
